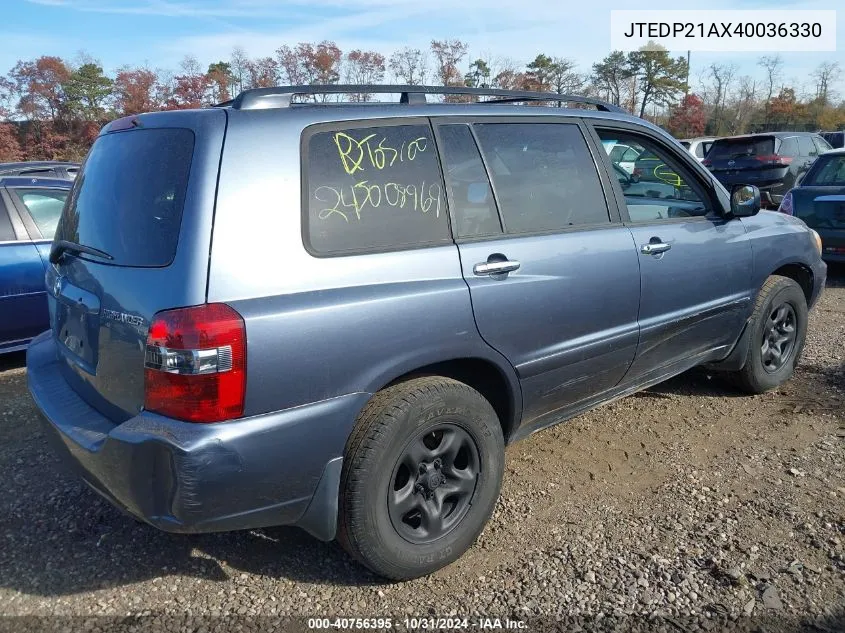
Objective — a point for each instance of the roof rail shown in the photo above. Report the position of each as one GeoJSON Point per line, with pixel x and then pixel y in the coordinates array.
{"type": "Point", "coordinates": [280, 96]}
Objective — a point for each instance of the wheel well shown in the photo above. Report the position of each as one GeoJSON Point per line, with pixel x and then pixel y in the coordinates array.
{"type": "Point", "coordinates": [481, 375]}
{"type": "Point", "coordinates": [799, 273]}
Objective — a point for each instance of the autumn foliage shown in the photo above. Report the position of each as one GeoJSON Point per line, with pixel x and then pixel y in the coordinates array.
{"type": "Point", "coordinates": [53, 109]}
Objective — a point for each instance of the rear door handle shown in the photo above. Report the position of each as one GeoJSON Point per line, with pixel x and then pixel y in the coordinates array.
{"type": "Point", "coordinates": [654, 248]}
{"type": "Point", "coordinates": [494, 267]}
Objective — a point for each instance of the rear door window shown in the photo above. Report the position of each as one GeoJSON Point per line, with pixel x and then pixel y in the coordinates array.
{"type": "Point", "coordinates": [373, 189]}
{"type": "Point", "coordinates": [45, 208]}
{"type": "Point", "coordinates": [470, 196]}
{"type": "Point", "coordinates": [806, 147]}
{"type": "Point", "coordinates": [821, 144]}
{"type": "Point", "coordinates": [828, 171]}
{"type": "Point", "coordinates": [789, 147]}
{"type": "Point", "coordinates": [544, 176]}
{"type": "Point", "coordinates": [128, 198]}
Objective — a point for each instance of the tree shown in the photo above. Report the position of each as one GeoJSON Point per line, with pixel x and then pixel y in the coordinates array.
{"type": "Point", "coordinates": [364, 67]}
{"type": "Point", "coordinates": [783, 109]}
{"type": "Point", "coordinates": [39, 85]}
{"type": "Point", "coordinates": [826, 74]}
{"type": "Point", "coordinates": [87, 91]}
{"type": "Point", "coordinates": [449, 54]}
{"type": "Point", "coordinates": [688, 119]}
{"type": "Point", "coordinates": [611, 76]}
{"type": "Point", "coordinates": [660, 78]}
{"type": "Point", "coordinates": [722, 76]}
{"type": "Point", "coordinates": [10, 145]}
{"type": "Point", "coordinates": [478, 75]}
{"type": "Point", "coordinates": [773, 65]}
{"type": "Point", "coordinates": [311, 64]}
{"type": "Point", "coordinates": [262, 72]}
{"type": "Point", "coordinates": [220, 78]}
{"type": "Point", "coordinates": [135, 91]}
{"type": "Point", "coordinates": [238, 65]}
{"type": "Point", "coordinates": [190, 89]}
{"type": "Point", "coordinates": [409, 66]}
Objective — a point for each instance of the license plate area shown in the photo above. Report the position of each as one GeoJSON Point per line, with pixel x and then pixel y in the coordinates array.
{"type": "Point", "coordinates": [77, 324]}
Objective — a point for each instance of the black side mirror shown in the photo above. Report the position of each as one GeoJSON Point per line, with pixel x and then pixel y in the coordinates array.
{"type": "Point", "coordinates": [745, 201]}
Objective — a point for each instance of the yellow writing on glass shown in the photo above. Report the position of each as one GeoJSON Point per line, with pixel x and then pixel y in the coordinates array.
{"type": "Point", "coordinates": [349, 202]}
{"type": "Point", "coordinates": [358, 154]}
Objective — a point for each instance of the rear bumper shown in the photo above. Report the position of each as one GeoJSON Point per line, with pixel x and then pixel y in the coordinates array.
{"type": "Point", "coordinates": [281, 468]}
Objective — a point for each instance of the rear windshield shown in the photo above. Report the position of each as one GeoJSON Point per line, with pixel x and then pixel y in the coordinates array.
{"type": "Point", "coordinates": [128, 198]}
{"type": "Point", "coordinates": [742, 147]}
{"type": "Point", "coordinates": [828, 171]}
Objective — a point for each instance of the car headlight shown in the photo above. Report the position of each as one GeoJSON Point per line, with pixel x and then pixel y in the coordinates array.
{"type": "Point", "coordinates": [817, 240]}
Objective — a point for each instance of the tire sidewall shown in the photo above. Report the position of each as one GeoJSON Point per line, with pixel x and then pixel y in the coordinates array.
{"type": "Point", "coordinates": [478, 419]}
{"type": "Point", "coordinates": [787, 292]}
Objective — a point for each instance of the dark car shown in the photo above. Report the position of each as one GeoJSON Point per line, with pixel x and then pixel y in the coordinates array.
{"type": "Point", "coordinates": [836, 139]}
{"type": "Point", "coordinates": [820, 202]}
{"type": "Point", "coordinates": [335, 316]}
{"type": "Point", "coordinates": [40, 169]}
{"type": "Point", "coordinates": [29, 211]}
{"type": "Point", "coordinates": [773, 162]}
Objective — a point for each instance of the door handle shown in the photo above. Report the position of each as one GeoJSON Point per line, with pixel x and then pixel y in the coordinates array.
{"type": "Point", "coordinates": [495, 267]}
{"type": "Point", "coordinates": [654, 248]}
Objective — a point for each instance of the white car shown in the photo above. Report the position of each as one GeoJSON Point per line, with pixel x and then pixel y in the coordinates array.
{"type": "Point", "coordinates": [698, 146]}
{"type": "Point", "coordinates": [623, 155]}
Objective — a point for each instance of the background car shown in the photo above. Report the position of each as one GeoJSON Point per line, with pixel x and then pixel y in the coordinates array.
{"type": "Point", "coordinates": [836, 139]}
{"type": "Point", "coordinates": [820, 202]}
{"type": "Point", "coordinates": [773, 162]}
{"type": "Point", "coordinates": [40, 169]}
{"type": "Point", "coordinates": [29, 212]}
{"type": "Point", "coordinates": [698, 146]}
{"type": "Point", "coordinates": [622, 155]}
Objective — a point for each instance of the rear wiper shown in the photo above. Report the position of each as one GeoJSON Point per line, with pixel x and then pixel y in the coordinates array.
{"type": "Point", "coordinates": [60, 247]}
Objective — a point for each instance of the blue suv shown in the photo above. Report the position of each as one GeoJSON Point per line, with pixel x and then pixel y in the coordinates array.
{"type": "Point", "coordinates": [336, 316]}
{"type": "Point", "coordinates": [29, 212]}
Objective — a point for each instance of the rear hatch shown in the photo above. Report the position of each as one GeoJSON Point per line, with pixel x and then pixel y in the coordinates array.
{"type": "Point", "coordinates": [133, 240]}
{"type": "Point", "coordinates": [752, 160]}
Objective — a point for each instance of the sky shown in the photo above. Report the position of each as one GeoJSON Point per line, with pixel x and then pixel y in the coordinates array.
{"type": "Point", "coordinates": [159, 33]}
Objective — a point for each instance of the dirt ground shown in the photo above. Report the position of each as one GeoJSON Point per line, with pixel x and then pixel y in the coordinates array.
{"type": "Point", "coordinates": [688, 502]}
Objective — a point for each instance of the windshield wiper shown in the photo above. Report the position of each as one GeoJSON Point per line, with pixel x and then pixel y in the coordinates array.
{"type": "Point", "coordinates": [60, 247]}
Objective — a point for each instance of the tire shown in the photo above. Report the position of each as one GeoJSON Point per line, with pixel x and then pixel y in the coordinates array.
{"type": "Point", "coordinates": [404, 425]}
{"type": "Point", "coordinates": [759, 374]}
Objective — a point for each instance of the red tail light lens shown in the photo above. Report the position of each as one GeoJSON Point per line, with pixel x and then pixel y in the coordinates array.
{"type": "Point", "coordinates": [195, 364]}
{"type": "Point", "coordinates": [774, 159]}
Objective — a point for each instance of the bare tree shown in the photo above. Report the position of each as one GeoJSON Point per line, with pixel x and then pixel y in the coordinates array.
{"type": "Point", "coordinates": [409, 66]}
{"type": "Point", "coordinates": [773, 65]}
{"type": "Point", "coordinates": [238, 65]}
{"type": "Point", "coordinates": [825, 74]}
{"type": "Point", "coordinates": [721, 76]}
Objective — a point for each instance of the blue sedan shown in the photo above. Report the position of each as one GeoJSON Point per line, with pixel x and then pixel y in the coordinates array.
{"type": "Point", "coordinates": [30, 209]}
{"type": "Point", "coordinates": [820, 202]}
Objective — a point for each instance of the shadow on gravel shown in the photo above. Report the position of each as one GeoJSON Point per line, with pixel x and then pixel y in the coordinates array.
{"type": "Point", "coordinates": [15, 360]}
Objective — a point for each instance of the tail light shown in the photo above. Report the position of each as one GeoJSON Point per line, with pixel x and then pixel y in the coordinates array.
{"type": "Point", "coordinates": [195, 364]}
{"type": "Point", "coordinates": [786, 204]}
{"type": "Point", "coordinates": [776, 160]}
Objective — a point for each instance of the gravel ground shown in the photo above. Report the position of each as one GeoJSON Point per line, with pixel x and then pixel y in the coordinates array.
{"type": "Point", "coordinates": [685, 507]}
